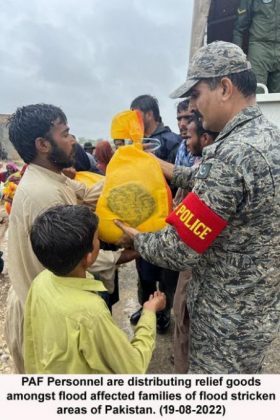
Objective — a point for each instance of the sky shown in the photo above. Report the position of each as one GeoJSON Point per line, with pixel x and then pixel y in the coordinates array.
{"type": "Point", "coordinates": [93, 57]}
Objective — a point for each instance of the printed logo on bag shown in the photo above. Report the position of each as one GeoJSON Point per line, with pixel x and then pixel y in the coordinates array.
{"type": "Point", "coordinates": [132, 203]}
{"type": "Point", "coordinates": [196, 224]}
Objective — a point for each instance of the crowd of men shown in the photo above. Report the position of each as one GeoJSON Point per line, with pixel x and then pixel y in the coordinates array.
{"type": "Point", "coordinates": [219, 253]}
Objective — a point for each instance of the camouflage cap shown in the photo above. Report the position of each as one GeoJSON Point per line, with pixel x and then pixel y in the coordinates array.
{"type": "Point", "coordinates": [214, 60]}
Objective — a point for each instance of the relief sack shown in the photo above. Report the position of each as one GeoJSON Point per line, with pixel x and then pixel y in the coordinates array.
{"type": "Point", "coordinates": [135, 191]}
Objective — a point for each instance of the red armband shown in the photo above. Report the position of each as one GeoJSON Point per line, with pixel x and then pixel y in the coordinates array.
{"type": "Point", "coordinates": [196, 224]}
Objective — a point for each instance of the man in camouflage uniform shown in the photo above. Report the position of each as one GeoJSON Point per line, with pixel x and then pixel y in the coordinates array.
{"type": "Point", "coordinates": [261, 19]}
{"type": "Point", "coordinates": [228, 228]}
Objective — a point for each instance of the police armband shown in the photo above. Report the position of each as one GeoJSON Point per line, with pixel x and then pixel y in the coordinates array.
{"type": "Point", "coordinates": [196, 224]}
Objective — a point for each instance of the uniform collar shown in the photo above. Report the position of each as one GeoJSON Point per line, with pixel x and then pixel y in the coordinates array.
{"type": "Point", "coordinates": [89, 284]}
{"type": "Point", "coordinates": [241, 118]}
{"type": "Point", "coordinates": [247, 114]}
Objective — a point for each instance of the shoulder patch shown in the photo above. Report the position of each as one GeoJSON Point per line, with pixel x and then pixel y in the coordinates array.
{"type": "Point", "coordinates": [204, 170]}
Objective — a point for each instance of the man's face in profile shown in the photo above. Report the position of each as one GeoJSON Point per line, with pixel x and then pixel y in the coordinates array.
{"type": "Point", "coordinates": [183, 117]}
{"type": "Point", "coordinates": [63, 146]}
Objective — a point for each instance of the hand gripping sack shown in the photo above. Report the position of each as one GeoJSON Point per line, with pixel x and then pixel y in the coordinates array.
{"type": "Point", "coordinates": [135, 190]}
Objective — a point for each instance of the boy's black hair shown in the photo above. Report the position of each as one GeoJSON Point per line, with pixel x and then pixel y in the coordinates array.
{"type": "Point", "coordinates": [62, 236]}
{"type": "Point", "coordinates": [30, 122]}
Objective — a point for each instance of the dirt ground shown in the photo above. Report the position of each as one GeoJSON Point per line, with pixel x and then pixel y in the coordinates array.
{"type": "Point", "coordinates": [161, 361]}
{"type": "Point", "coordinates": [6, 364]}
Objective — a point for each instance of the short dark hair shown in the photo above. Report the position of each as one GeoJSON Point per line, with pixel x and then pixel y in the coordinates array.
{"type": "Point", "coordinates": [245, 82]}
{"type": "Point", "coordinates": [197, 119]}
{"type": "Point", "coordinates": [62, 236]}
{"type": "Point", "coordinates": [183, 105]}
{"type": "Point", "coordinates": [30, 122]}
{"type": "Point", "coordinates": [147, 103]}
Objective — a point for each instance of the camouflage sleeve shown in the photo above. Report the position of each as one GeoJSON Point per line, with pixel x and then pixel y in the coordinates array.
{"type": "Point", "coordinates": [165, 249]}
{"type": "Point", "coordinates": [183, 176]}
{"type": "Point", "coordinates": [220, 186]}
{"type": "Point", "coordinates": [243, 21]}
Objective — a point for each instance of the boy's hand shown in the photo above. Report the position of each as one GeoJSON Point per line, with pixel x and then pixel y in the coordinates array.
{"type": "Point", "coordinates": [156, 302]}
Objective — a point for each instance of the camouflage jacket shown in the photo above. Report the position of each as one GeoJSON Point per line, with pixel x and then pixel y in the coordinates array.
{"type": "Point", "coordinates": [261, 18]}
{"type": "Point", "coordinates": [234, 296]}
{"type": "Point", "coordinates": [183, 176]}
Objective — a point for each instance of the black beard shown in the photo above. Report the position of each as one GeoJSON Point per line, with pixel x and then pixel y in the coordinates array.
{"type": "Point", "coordinates": [59, 158]}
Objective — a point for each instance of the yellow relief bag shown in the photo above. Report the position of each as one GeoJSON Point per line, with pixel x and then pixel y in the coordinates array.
{"type": "Point", "coordinates": [135, 190]}
{"type": "Point", "coordinates": [88, 178]}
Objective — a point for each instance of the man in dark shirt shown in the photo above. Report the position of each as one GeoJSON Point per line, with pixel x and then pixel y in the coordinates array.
{"type": "Point", "coordinates": [150, 274]}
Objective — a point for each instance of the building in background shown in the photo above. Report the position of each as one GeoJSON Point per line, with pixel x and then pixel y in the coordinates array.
{"type": "Point", "coordinates": [7, 151]}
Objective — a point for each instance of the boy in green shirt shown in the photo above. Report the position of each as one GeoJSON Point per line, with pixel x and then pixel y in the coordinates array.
{"type": "Point", "coordinates": [67, 325]}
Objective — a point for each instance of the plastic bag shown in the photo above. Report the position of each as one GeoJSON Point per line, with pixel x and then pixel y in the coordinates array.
{"type": "Point", "coordinates": [135, 190]}
{"type": "Point", "coordinates": [88, 178]}
{"type": "Point", "coordinates": [128, 125]}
